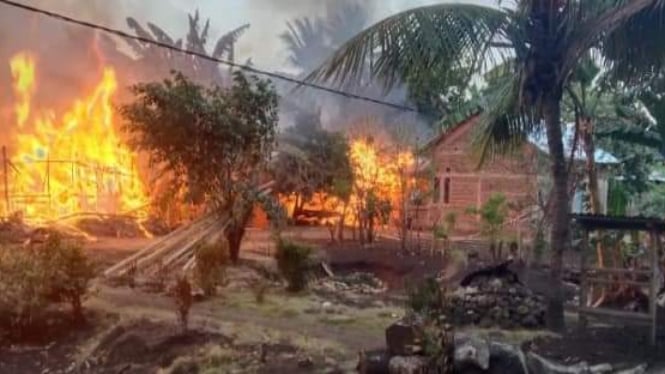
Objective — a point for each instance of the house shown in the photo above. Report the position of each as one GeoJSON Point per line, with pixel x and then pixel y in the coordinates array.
{"type": "Point", "coordinates": [458, 182]}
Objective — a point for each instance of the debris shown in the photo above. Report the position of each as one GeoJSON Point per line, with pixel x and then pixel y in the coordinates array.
{"type": "Point", "coordinates": [407, 365]}
{"type": "Point", "coordinates": [471, 351]}
{"type": "Point", "coordinates": [403, 337]}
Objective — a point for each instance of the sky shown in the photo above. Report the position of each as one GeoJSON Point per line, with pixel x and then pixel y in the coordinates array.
{"type": "Point", "coordinates": [267, 18]}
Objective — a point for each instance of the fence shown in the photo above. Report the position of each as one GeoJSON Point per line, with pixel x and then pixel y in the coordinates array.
{"type": "Point", "coordinates": [86, 187]}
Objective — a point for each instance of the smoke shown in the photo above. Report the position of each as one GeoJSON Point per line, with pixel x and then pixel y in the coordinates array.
{"type": "Point", "coordinates": [70, 57]}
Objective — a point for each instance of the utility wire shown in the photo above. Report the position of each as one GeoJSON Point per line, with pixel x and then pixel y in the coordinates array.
{"type": "Point", "coordinates": [247, 68]}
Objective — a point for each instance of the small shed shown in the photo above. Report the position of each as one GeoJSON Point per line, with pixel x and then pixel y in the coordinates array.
{"type": "Point", "coordinates": [608, 276]}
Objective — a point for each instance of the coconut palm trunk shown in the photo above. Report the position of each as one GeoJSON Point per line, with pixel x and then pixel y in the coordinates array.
{"type": "Point", "coordinates": [560, 230]}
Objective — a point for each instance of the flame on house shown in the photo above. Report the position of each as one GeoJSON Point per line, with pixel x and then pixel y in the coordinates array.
{"type": "Point", "coordinates": [387, 173]}
{"type": "Point", "coordinates": [68, 163]}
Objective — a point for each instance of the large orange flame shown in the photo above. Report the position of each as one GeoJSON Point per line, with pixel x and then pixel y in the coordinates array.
{"type": "Point", "coordinates": [72, 163]}
{"type": "Point", "coordinates": [385, 172]}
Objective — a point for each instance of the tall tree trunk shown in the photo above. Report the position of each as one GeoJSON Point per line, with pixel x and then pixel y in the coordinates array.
{"type": "Point", "coordinates": [235, 232]}
{"type": "Point", "coordinates": [560, 230]}
{"type": "Point", "coordinates": [340, 228]}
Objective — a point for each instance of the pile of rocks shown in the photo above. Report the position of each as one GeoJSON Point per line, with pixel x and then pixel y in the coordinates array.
{"type": "Point", "coordinates": [495, 299]}
{"type": "Point", "coordinates": [359, 283]}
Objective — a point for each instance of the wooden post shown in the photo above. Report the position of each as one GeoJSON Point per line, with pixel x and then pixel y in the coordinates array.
{"type": "Point", "coordinates": [5, 161]}
{"type": "Point", "coordinates": [653, 289]}
{"type": "Point", "coordinates": [583, 279]}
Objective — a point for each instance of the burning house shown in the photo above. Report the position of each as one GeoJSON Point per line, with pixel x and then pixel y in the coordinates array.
{"type": "Point", "coordinates": [65, 161]}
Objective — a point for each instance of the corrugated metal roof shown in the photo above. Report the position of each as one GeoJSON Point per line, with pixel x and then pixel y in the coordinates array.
{"type": "Point", "coordinates": [539, 139]}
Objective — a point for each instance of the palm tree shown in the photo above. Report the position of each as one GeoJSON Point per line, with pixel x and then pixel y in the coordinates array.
{"type": "Point", "coordinates": [542, 42]}
{"type": "Point", "coordinates": [152, 63]}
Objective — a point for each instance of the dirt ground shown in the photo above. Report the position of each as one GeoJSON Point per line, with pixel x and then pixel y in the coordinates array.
{"type": "Point", "coordinates": [308, 332]}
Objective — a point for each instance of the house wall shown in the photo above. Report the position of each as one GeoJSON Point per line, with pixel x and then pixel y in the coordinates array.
{"type": "Point", "coordinates": [453, 160]}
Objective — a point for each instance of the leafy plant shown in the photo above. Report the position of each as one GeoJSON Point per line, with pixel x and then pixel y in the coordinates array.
{"type": "Point", "coordinates": [293, 261]}
{"type": "Point", "coordinates": [259, 289]}
{"type": "Point", "coordinates": [425, 298]}
{"type": "Point", "coordinates": [211, 260]}
{"type": "Point", "coordinates": [33, 278]}
{"type": "Point", "coordinates": [23, 288]}
{"type": "Point", "coordinates": [182, 294]}
{"type": "Point", "coordinates": [72, 275]}
{"type": "Point", "coordinates": [215, 143]}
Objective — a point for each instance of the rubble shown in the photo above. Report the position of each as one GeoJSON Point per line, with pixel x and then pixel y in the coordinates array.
{"type": "Point", "coordinates": [359, 283]}
{"type": "Point", "coordinates": [495, 297]}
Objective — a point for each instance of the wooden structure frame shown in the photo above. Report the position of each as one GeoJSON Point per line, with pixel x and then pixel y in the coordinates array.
{"type": "Point", "coordinates": [592, 275]}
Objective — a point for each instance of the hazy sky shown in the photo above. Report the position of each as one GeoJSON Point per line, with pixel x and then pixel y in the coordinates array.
{"type": "Point", "coordinates": [267, 17]}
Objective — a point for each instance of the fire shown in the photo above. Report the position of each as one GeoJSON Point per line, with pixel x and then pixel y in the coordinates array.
{"type": "Point", "coordinates": [23, 73]}
{"type": "Point", "coordinates": [72, 163]}
{"type": "Point", "coordinates": [384, 172]}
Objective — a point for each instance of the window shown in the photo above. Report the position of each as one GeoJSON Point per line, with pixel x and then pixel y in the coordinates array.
{"type": "Point", "coordinates": [446, 190]}
{"type": "Point", "coordinates": [436, 190]}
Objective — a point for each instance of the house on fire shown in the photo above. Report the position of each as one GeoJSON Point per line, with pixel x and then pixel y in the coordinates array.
{"type": "Point", "coordinates": [459, 183]}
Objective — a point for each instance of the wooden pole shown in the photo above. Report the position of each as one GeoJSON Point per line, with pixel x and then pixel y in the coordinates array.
{"type": "Point", "coordinates": [583, 279]}
{"type": "Point", "coordinates": [5, 161]}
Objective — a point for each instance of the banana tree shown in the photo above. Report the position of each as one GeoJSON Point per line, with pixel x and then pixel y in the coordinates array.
{"type": "Point", "coordinates": [542, 40]}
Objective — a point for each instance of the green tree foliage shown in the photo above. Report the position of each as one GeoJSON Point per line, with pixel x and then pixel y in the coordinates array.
{"type": "Point", "coordinates": [312, 160]}
{"type": "Point", "coordinates": [214, 142]}
{"type": "Point", "coordinates": [541, 43]}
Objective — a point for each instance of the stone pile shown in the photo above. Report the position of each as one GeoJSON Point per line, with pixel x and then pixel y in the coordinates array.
{"type": "Point", "coordinates": [359, 283]}
{"type": "Point", "coordinates": [496, 301]}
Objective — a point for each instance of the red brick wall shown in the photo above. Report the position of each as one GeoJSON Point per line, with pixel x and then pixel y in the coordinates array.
{"type": "Point", "coordinates": [454, 157]}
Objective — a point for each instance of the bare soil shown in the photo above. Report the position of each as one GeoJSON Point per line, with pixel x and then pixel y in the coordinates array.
{"type": "Point", "coordinates": [302, 333]}
{"type": "Point", "coordinates": [601, 344]}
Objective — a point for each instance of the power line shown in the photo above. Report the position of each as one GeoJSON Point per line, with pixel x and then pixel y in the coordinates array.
{"type": "Point", "coordinates": [247, 68]}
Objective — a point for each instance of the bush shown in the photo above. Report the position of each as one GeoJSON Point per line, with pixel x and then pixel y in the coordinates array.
{"type": "Point", "coordinates": [33, 278]}
{"type": "Point", "coordinates": [292, 261]}
{"type": "Point", "coordinates": [72, 274]}
{"type": "Point", "coordinates": [23, 288]}
{"type": "Point", "coordinates": [426, 298]}
{"type": "Point", "coordinates": [259, 289]}
{"type": "Point", "coordinates": [211, 260]}
{"type": "Point", "coordinates": [182, 294]}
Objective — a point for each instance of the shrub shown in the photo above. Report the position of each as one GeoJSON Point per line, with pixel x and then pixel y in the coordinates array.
{"type": "Point", "coordinates": [32, 278]}
{"type": "Point", "coordinates": [292, 261]}
{"type": "Point", "coordinates": [211, 260]}
{"type": "Point", "coordinates": [259, 289]}
{"type": "Point", "coordinates": [23, 288]}
{"type": "Point", "coordinates": [426, 298]}
{"type": "Point", "coordinates": [182, 294]}
{"type": "Point", "coordinates": [72, 275]}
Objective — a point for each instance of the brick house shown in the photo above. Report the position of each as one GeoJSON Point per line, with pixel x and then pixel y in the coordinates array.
{"type": "Point", "coordinates": [458, 182]}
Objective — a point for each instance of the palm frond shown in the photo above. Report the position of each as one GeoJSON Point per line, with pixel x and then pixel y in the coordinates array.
{"type": "Point", "coordinates": [228, 40]}
{"type": "Point", "coordinates": [160, 34]}
{"type": "Point", "coordinates": [505, 123]}
{"type": "Point", "coordinates": [632, 37]}
{"type": "Point", "coordinates": [635, 136]}
{"type": "Point", "coordinates": [417, 39]}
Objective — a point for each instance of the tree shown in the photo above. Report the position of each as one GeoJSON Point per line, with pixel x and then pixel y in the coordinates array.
{"type": "Point", "coordinates": [151, 62]}
{"type": "Point", "coordinates": [311, 160]}
{"type": "Point", "coordinates": [213, 142]}
{"type": "Point", "coordinates": [541, 41]}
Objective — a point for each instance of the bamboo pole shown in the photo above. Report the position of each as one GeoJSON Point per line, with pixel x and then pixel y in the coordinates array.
{"type": "Point", "coordinates": [6, 179]}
